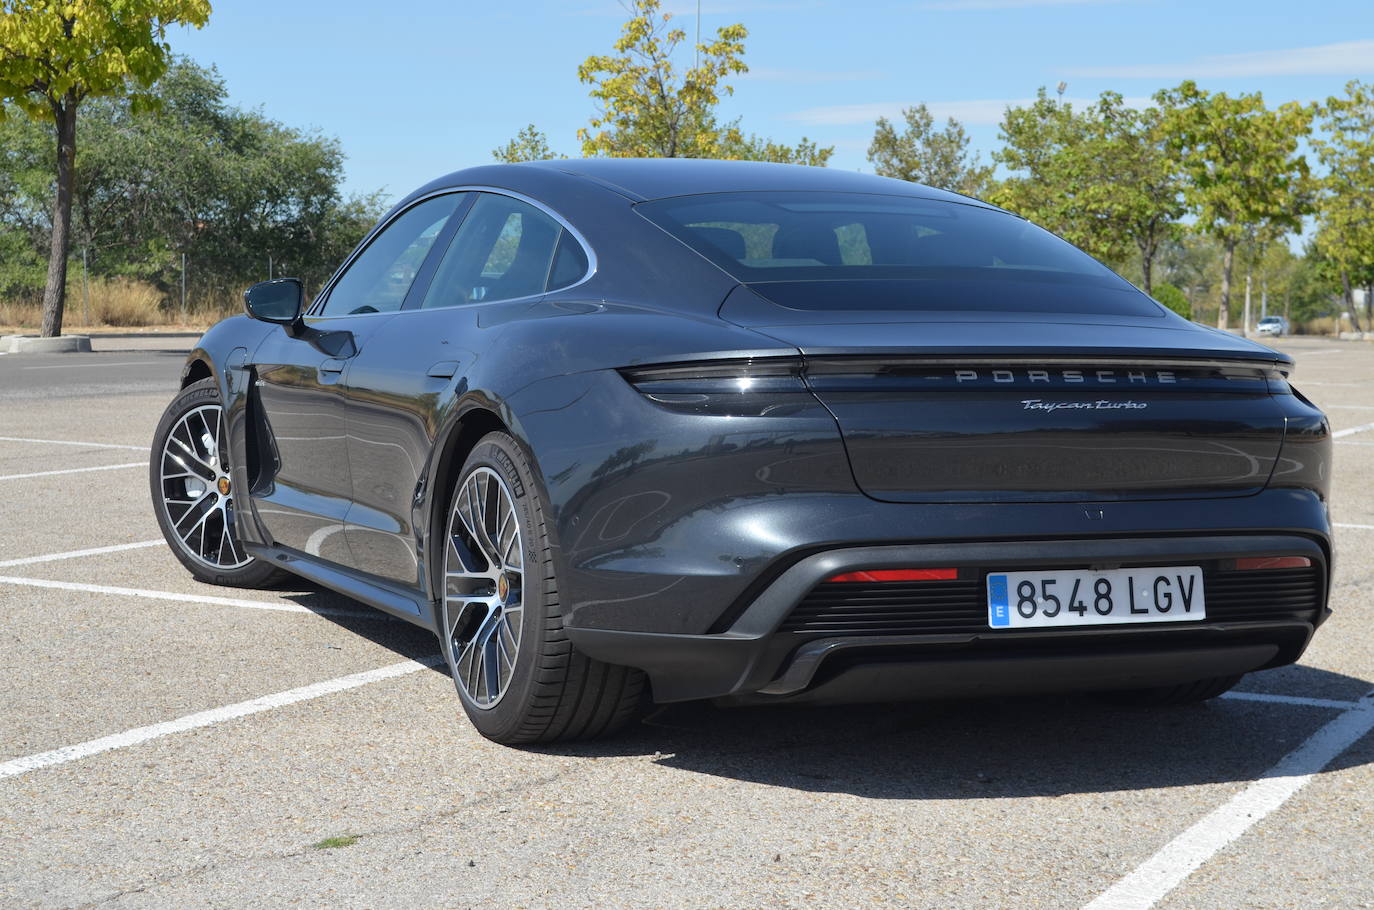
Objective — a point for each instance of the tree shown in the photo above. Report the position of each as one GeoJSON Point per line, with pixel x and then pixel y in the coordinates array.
{"type": "Point", "coordinates": [54, 54]}
{"type": "Point", "coordinates": [185, 174]}
{"type": "Point", "coordinates": [1132, 180]}
{"type": "Point", "coordinates": [530, 144]}
{"type": "Point", "coordinates": [1242, 166]}
{"type": "Point", "coordinates": [1101, 178]}
{"type": "Point", "coordinates": [1035, 141]}
{"type": "Point", "coordinates": [1345, 146]}
{"type": "Point", "coordinates": [647, 109]}
{"type": "Point", "coordinates": [738, 147]}
{"type": "Point", "coordinates": [1174, 299]}
{"type": "Point", "coordinates": [922, 154]}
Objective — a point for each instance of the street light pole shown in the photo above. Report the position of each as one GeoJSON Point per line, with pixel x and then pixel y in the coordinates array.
{"type": "Point", "coordinates": [696, 53]}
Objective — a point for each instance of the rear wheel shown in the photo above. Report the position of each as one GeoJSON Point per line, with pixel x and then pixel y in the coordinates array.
{"type": "Point", "coordinates": [193, 495]}
{"type": "Point", "coordinates": [1183, 694]}
{"type": "Point", "coordinates": [519, 678]}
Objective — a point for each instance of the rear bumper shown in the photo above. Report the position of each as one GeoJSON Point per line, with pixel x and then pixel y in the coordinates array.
{"type": "Point", "coordinates": [752, 660]}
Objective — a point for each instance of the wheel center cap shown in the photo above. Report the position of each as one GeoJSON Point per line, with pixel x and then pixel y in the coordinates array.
{"type": "Point", "coordinates": [502, 587]}
{"type": "Point", "coordinates": [223, 486]}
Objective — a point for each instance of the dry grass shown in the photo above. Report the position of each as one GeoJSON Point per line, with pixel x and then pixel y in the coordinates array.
{"type": "Point", "coordinates": [1326, 325]}
{"type": "Point", "coordinates": [120, 303]}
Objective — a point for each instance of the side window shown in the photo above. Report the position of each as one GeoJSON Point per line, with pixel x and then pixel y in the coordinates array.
{"type": "Point", "coordinates": [377, 281]}
{"type": "Point", "coordinates": [569, 263]}
{"type": "Point", "coordinates": [504, 249]}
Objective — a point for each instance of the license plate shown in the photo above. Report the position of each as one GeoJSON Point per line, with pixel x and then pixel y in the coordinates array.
{"type": "Point", "coordinates": [1083, 597]}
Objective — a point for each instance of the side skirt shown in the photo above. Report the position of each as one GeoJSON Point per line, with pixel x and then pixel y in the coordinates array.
{"type": "Point", "coordinates": [409, 605]}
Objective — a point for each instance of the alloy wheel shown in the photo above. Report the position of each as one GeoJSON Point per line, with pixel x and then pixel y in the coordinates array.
{"type": "Point", "coordinates": [483, 587]}
{"type": "Point", "coordinates": [197, 492]}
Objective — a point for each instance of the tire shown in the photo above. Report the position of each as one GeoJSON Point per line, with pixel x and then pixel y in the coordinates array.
{"type": "Point", "coordinates": [188, 480]}
{"type": "Point", "coordinates": [500, 618]}
{"type": "Point", "coordinates": [1182, 694]}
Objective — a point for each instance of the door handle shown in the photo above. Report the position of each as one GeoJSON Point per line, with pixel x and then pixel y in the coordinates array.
{"type": "Point", "coordinates": [333, 365]}
{"type": "Point", "coordinates": [444, 369]}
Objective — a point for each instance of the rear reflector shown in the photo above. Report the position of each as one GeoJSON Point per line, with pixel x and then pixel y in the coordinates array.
{"type": "Point", "coordinates": [1273, 562]}
{"type": "Point", "coordinates": [899, 575]}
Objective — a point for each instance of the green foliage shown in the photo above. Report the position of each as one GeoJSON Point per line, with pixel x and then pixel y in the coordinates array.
{"type": "Point", "coordinates": [1240, 158]}
{"type": "Point", "coordinates": [1306, 287]}
{"type": "Point", "coordinates": [1345, 147]}
{"type": "Point", "coordinates": [57, 52]}
{"type": "Point", "coordinates": [334, 843]}
{"type": "Point", "coordinates": [1244, 177]}
{"type": "Point", "coordinates": [530, 144]}
{"type": "Point", "coordinates": [54, 54]}
{"type": "Point", "coordinates": [922, 154]}
{"type": "Point", "coordinates": [1100, 178]}
{"type": "Point", "coordinates": [646, 107]}
{"type": "Point", "coordinates": [187, 174]}
{"type": "Point", "coordinates": [1174, 299]}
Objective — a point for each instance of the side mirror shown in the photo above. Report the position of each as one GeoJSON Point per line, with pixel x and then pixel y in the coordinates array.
{"type": "Point", "coordinates": [279, 301]}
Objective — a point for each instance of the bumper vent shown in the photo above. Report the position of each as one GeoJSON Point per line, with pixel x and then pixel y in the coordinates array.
{"type": "Point", "coordinates": [957, 607]}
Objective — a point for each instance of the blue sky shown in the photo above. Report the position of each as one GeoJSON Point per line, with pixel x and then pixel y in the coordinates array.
{"type": "Point", "coordinates": [418, 88]}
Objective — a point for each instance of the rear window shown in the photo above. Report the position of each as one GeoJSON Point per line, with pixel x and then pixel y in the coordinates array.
{"type": "Point", "coordinates": [816, 236]}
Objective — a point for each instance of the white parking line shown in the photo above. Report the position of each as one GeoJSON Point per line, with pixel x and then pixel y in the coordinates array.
{"type": "Point", "coordinates": [1354, 527]}
{"type": "Point", "coordinates": [1349, 407]}
{"type": "Point", "coordinates": [1291, 700]}
{"type": "Point", "coordinates": [103, 467]}
{"type": "Point", "coordinates": [68, 442]}
{"type": "Point", "coordinates": [209, 718]}
{"type": "Point", "coordinates": [275, 606]}
{"type": "Point", "coordinates": [1351, 431]}
{"type": "Point", "coordinates": [1159, 874]}
{"type": "Point", "coordinates": [71, 366]}
{"type": "Point", "coordinates": [74, 554]}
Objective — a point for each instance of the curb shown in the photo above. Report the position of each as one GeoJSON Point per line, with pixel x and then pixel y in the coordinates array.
{"type": "Point", "coordinates": [34, 344]}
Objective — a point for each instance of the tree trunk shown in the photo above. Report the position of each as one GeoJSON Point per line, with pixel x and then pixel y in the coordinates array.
{"type": "Point", "coordinates": [1228, 257]}
{"type": "Point", "coordinates": [55, 292]}
{"type": "Point", "coordinates": [1348, 300]}
{"type": "Point", "coordinates": [1369, 305]}
{"type": "Point", "coordinates": [1147, 261]}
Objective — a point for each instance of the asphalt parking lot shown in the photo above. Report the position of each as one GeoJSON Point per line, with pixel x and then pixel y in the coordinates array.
{"type": "Point", "coordinates": [166, 743]}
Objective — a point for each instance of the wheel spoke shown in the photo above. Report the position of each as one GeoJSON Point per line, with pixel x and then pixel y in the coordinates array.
{"type": "Point", "coordinates": [194, 482]}
{"type": "Point", "coordinates": [194, 510]}
{"type": "Point", "coordinates": [483, 606]}
{"type": "Point", "coordinates": [190, 461]}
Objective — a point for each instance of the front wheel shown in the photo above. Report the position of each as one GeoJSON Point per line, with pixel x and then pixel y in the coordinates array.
{"type": "Point", "coordinates": [501, 621]}
{"type": "Point", "coordinates": [193, 495]}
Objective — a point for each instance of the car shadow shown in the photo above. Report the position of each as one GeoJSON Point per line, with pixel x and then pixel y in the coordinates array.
{"type": "Point", "coordinates": [989, 748]}
{"type": "Point", "coordinates": [406, 639]}
{"type": "Point", "coordinates": [986, 748]}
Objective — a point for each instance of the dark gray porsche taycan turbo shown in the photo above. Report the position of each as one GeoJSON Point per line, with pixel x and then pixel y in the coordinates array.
{"type": "Point", "coordinates": [630, 431]}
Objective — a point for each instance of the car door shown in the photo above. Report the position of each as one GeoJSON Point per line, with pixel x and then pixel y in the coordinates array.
{"type": "Point", "coordinates": [302, 490]}
{"type": "Point", "coordinates": [507, 252]}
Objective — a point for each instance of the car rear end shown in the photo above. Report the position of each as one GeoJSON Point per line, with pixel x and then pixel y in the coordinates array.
{"type": "Point", "coordinates": [1059, 484]}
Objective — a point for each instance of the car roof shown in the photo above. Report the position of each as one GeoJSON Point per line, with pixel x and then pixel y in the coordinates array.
{"type": "Point", "coordinates": [642, 179]}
